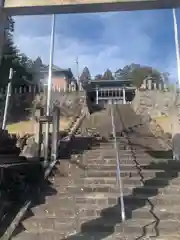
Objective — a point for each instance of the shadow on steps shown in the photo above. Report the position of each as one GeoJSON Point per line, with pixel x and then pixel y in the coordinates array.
{"type": "Point", "coordinates": [105, 225]}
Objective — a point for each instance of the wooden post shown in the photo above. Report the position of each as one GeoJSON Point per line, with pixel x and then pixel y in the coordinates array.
{"type": "Point", "coordinates": [149, 84]}
{"type": "Point", "coordinates": [39, 129]}
{"type": "Point", "coordinates": [55, 133]}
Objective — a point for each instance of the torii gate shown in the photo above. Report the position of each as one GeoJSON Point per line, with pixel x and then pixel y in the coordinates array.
{"type": "Point", "coordinates": [34, 7]}
{"type": "Point", "coordinates": [37, 7]}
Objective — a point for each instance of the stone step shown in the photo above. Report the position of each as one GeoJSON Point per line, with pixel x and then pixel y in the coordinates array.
{"type": "Point", "coordinates": [109, 167]}
{"type": "Point", "coordinates": [93, 189]}
{"type": "Point", "coordinates": [105, 161]}
{"type": "Point", "coordinates": [107, 146]}
{"type": "Point", "coordinates": [124, 156]}
{"type": "Point", "coordinates": [62, 211]}
{"type": "Point", "coordinates": [132, 165]}
{"type": "Point", "coordinates": [108, 152]}
{"type": "Point", "coordinates": [102, 224]}
{"type": "Point", "coordinates": [101, 158]}
{"type": "Point", "coordinates": [90, 154]}
{"type": "Point", "coordinates": [136, 157]}
{"type": "Point", "coordinates": [98, 180]}
{"type": "Point", "coordinates": [90, 181]}
{"type": "Point", "coordinates": [132, 211]}
{"type": "Point", "coordinates": [84, 211]}
{"type": "Point", "coordinates": [40, 225]}
{"type": "Point", "coordinates": [46, 235]}
{"type": "Point", "coordinates": [138, 199]}
{"type": "Point", "coordinates": [172, 213]}
{"type": "Point", "coordinates": [150, 156]}
{"type": "Point", "coordinates": [80, 236]}
{"type": "Point", "coordinates": [54, 204]}
{"type": "Point", "coordinates": [112, 160]}
{"type": "Point", "coordinates": [127, 190]}
{"type": "Point", "coordinates": [133, 181]}
{"type": "Point", "coordinates": [131, 173]}
{"type": "Point", "coordinates": [106, 225]}
{"type": "Point", "coordinates": [159, 181]}
{"type": "Point", "coordinates": [162, 164]}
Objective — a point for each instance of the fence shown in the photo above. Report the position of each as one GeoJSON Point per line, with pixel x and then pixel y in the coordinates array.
{"type": "Point", "coordinates": [148, 84]}
{"type": "Point", "coordinates": [37, 89]}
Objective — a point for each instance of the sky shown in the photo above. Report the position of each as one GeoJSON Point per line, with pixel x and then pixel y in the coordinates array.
{"type": "Point", "coordinates": [102, 40]}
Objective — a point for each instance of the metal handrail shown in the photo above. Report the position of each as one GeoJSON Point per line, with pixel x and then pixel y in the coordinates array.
{"type": "Point", "coordinates": [118, 172]}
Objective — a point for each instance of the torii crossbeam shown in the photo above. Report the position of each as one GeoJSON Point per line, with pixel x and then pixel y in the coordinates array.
{"type": "Point", "coordinates": [32, 7]}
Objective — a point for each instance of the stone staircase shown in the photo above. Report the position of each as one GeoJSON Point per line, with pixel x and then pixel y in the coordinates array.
{"type": "Point", "coordinates": [84, 203]}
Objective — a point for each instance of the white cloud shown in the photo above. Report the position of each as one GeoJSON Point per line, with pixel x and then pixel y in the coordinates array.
{"type": "Point", "coordinates": [122, 43]}
{"type": "Point", "coordinates": [98, 58]}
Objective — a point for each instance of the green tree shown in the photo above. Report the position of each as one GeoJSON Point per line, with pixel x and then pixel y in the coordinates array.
{"type": "Point", "coordinates": [136, 73]}
{"type": "Point", "coordinates": [98, 77]}
{"type": "Point", "coordinates": [36, 70]}
{"type": "Point", "coordinates": [126, 72]}
{"type": "Point", "coordinates": [12, 58]}
{"type": "Point", "coordinates": [108, 75]}
{"type": "Point", "coordinates": [9, 53]}
{"type": "Point", "coordinates": [85, 76]}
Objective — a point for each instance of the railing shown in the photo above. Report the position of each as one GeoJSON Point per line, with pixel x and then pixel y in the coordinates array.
{"type": "Point", "coordinates": [112, 95]}
{"type": "Point", "coordinates": [36, 89]}
{"type": "Point", "coordinates": [118, 169]}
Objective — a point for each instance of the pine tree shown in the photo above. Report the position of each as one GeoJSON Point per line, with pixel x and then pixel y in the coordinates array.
{"type": "Point", "coordinates": [108, 75]}
{"type": "Point", "coordinates": [85, 76]}
{"type": "Point", "coordinates": [136, 73]}
{"type": "Point", "coordinates": [36, 70]}
{"type": "Point", "coordinates": [12, 58]}
{"type": "Point", "coordinates": [98, 77]}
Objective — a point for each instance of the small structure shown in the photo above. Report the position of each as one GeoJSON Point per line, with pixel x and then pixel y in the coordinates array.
{"type": "Point", "coordinates": [105, 90]}
{"type": "Point", "coordinates": [62, 79]}
{"type": "Point", "coordinates": [149, 84]}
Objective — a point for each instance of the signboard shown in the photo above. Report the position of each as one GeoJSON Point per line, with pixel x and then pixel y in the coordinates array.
{"type": "Point", "coordinates": [21, 7]}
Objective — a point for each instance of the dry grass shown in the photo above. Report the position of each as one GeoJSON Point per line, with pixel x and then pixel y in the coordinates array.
{"type": "Point", "coordinates": [25, 127]}
{"type": "Point", "coordinates": [165, 123]}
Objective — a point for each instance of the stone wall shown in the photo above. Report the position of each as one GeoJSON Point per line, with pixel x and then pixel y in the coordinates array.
{"type": "Point", "coordinates": [24, 99]}
{"type": "Point", "coordinates": [69, 102]}
{"type": "Point", "coordinates": [161, 106]}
